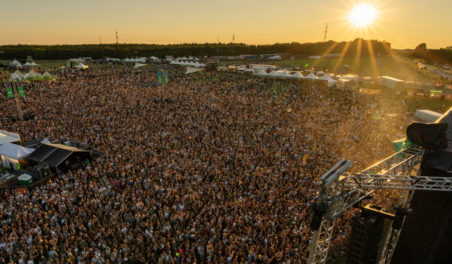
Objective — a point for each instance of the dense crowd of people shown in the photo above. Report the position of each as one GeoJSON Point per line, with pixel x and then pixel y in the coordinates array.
{"type": "Point", "coordinates": [217, 172]}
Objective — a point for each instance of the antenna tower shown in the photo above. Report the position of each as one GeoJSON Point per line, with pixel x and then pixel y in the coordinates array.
{"type": "Point", "coordinates": [116, 37]}
{"type": "Point", "coordinates": [326, 31]}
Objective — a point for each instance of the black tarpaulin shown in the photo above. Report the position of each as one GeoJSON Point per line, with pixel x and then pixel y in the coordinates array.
{"type": "Point", "coordinates": [57, 157]}
{"type": "Point", "coordinates": [431, 136]}
{"type": "Point", "coordinates": [41, 153]}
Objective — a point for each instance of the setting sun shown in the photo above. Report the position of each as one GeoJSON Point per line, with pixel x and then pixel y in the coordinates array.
{"type": "Point", "coordinates": [362, 15]}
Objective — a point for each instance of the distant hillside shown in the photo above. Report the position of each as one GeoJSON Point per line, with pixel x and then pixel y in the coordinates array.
{"type": "Point", "coordinates": [63, 52]}
{"type": "Point", "coordinates": [431, 55]}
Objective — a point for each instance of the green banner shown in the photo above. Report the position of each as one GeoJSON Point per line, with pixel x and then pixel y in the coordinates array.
{"type": "Point", "coordinates": [20, 89]}
{"type": "Point", "coordinates": [46, 78]}
{"type": "Point", "coordinates": [9, 90]}
{"type": "Point", "coordinates": [159, 77]}
{"type": "Point", "coordinates": [165, 73]}
{"type": "Point", "coordinates": [30, 78]}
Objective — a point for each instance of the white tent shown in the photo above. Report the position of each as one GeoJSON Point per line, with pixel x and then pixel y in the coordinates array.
{"type": "Point", "coordinates": [27, 64]}
{"type": "Point", "coordinates": [192, 70]}
{"type": "Point", "coordinates": [19, 73]}
{"type": "Point", "coordinates": [284, 74]}
{"type": "Point", "coordinates": [173, 62]}
{"type": "Point", "coordinates": [46, 74]}
{"type": "Point", "coordinates": [184, 58]}
{"type": "Point", "coordinates": [138, 65]}
{"type": "Point", "coordinates": [6, 137]}
{"type": "Point", "coordinates": [14, 151]}
{"type": "Point", "coordinates": [196, 59]}
{"type": "Point", "coordinates": [15, 63]}
{"type": "Point", "coordinates": [273, 74]}
{"type": "Point", "coordinates": [126, 60]}
{"type": "Point", "coordinates": [330, 80]}
{"type": "Point", "coordinates": [81, 66]}
{"type": "Point", "coordinates": [197, 64]}
{"type": "Point", "coordinates": [16, 77]}
{"type": "Point", "coordinates": [32, 74]}
{"type": "Point", "coordinates": [297, 75]}
{"type": "Point", "coordinates": [34, 64]}
{"type": "Point", "coordinates": [45, 141]}
{"type": "Point", "coordinates": [311, 76]}
{"type": "Point", "coordinates": [261, 72]}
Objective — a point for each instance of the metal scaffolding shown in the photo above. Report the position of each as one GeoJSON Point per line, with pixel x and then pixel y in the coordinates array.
{"type": "Point", "coordinates": [341, 190]}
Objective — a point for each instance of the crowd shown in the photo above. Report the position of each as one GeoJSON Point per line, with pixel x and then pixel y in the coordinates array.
{"type": "Point", "coordinates": [218, 172]}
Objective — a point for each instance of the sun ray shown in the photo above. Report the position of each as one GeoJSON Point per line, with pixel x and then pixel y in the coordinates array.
{"type": "Point", "coordinates": [342, 56]}
{"type": "Point", "coordinates": [376, 71]}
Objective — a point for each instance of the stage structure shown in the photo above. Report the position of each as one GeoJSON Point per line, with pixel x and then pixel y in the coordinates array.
{"type": "Point", "coordinates": [341, 190]}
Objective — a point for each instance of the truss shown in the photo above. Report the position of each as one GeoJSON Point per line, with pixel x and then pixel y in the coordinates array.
{"type": "Point", "coordinates": [341, 190]}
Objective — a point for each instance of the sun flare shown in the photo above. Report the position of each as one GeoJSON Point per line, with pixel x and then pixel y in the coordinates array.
{"type": "Point", "coordinates": [362, 15]}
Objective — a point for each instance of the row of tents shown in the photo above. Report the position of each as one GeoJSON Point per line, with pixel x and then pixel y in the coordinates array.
{"type": "Point", "coordinates": [187, 63]}
{"type": "Point", "coordinates": [296, 75]}
{"type": "Point", "coordinates": [32, 75]}
{"type": "Point", "coordinates": [15, 63]}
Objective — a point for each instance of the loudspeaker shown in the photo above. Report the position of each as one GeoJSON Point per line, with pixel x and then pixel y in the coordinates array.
{"type": "Point", "coordinates": [43, 171]}
{"type": "Point", "coordinates": [365, 238]}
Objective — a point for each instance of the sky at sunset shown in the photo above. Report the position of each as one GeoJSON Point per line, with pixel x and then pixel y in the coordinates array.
{"type": "Point", "coordinates": [403, 23]}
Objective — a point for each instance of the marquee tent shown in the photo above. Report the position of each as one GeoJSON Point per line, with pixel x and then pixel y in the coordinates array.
{"type": "Point", "coordinates": [184, 58]}
{"type": "Point", "coordinates": [34, 64]}
{"type": "Point", "coordinates": [46, 74]}
{"type": "Point", "coordinates": [12, 153]}
{"type": "Point", "coordinates": [261, 72]}
{"type": "Point", "coordinates": [138, 65]}
{"type": "Point", "coordinates": [297, 75]}
{"type": "Point", "coordinates": [192, 70]}
{"type": "Point", "coordinates": [81, 66]}
{"type": "Point", "coordinates": [27, 64]}
{"type": "Point", "coordinates": [32, 74]}
{"type": "Point", "coordinates": [6, 137]}
{"type": "Point", "coordinates": [284, 74]}
{"type": "Point", "coordinates": [16, 77]}
{"type": "Point", "coordinates": [196, 59]}
{"type": "Point", "coordinates": [273, 74]}
{"type": "Point", "coordinates": [197, 64]}
{"type": "Point", "coordinates": [311, 76]}
{"type": "Point", "coordinates": [330, 80]}
{"type": "Point", "coordinates": [15, 63]}
{"type": "Point", "coordinates": [19, 73]}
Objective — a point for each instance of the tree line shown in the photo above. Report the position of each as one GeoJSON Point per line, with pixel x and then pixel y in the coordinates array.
{"type": "Point", "coordinates": [433, 55]}
{"type": "Point", "coordinates": [358, 47]}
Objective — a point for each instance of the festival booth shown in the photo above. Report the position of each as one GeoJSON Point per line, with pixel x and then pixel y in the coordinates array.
{"type": "Point", "coordinates": [330, 80]}
{"type": "Point", "coordinates": [297, 75]}
{"type": "Point", "coordinates": [33, 64]}
{"type": "Point", "coordinates": [59, 158]}
{"type": "Point", "coordinates": [284, 74]}
{"type": "Point", "coordinates": [261, 73]}
{"type": "Point", "coordinates": [8, 137]}
{"type": "Point", "coordinates": [193, 70]}
{"type": "Point", "coordinates": [15, 63]}
{"type": "Point", "coordinates": [273, 74]}
{"type": "Point", "coordinates": [81, 66]}
{"type": "Point", "coordinates": [27, 64]}
{"type": "Point", "coordinates": [12, 153]}
{"type": "Point", "coordinates": [311, 76]}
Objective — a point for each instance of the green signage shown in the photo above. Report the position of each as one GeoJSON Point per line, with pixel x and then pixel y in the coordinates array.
{"type": "Point", "coordinates": [165, 73]}
{"type": "Point", "coordinates": [9, 90]}
{"type": "Point", "coordinates": [31, 78]}
{"type": "Point", "coordinates": [159, 77]}
{"type": "Point", "coordinates": [20, 89]}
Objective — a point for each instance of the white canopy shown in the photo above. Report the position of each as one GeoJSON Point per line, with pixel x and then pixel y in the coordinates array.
{"type": "Point", "coordinates": [32, 74]}
{"type": "Point", "coordinates": [126, 60]}
{"type": "Point", "coordinates": [262, 72]}
{"type": "Point", "coordinates": [19, 73]}
{"type": "Point", "coordinates": [46, 74]}
{"type": "Point", "coordinates": [184, 58]}
{"type": "Point", "coordinates": [273, 74]}
{"type": "Point", "coordinates": [15, 62]}
{"type": "Point", "coordinates": [311, 76]}
{"type": "Point", "coordinates": [173, 62]}
{"type": "Point", "coordinates": [14, 151]}
{"type": "Point", "coordinates": [6, 137]}
{"type": "Point", "coordinates": [138, 65]}
{"type": "Point", "coordinates": [196, 59]}
{"type": "Point", "coordinates": [33, 63]}
{"type": "Point", "coordinates": [16, 77]}
{"type": "Point", "coordinates": [197, 64]}
{"type": "Point", "coordinates": [192, 70]}
{"type": "Point", "coordinates": [297, 75]}
{"type": "Point", "coordinates": [81, 66]}
{"type": "Point", "coordinates": [284, 74]}
{"type": "Point", "coordinates": [45, 141]}
{"type": "Point", "coordinates": [330, 80]}
{"type": "Point", "coordinates": [27, 64]}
